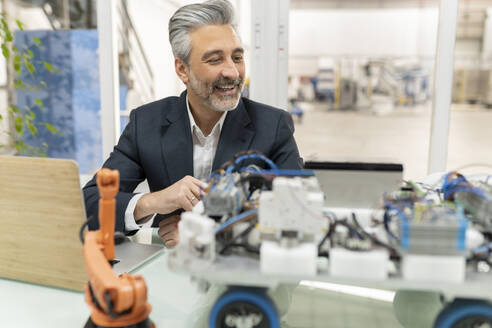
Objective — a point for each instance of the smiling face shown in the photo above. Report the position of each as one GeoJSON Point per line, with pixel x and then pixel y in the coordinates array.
{"type": "Point", "coordinates": [215, 73]}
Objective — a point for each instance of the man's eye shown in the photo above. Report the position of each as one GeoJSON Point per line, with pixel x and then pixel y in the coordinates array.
{"type": "Point", "coordinates": [214, 61]}
{"type": "Point", "coordinates": [237, 58]}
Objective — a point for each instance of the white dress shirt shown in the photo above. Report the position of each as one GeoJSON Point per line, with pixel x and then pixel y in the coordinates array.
{"type": "Point", "coordinates": [204, 148]}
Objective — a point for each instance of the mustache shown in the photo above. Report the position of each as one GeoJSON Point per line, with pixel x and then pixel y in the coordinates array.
{"type": "Point", "coordinates": [227, 82]}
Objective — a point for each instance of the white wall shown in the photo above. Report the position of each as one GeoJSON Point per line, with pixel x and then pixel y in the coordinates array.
{"type": "Point", "coordinates": [243, 17]}
{"type": "Point", "coordinates": [361, 32]}
{"type": "Point", "coordinates": [150, 18]}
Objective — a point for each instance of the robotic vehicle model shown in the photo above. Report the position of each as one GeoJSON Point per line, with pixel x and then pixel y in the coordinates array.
{"type": "Point", "coordinates": [257, 228]}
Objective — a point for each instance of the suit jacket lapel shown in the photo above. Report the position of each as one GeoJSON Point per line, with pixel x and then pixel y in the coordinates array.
{"type": "Point", "coordinates": [176, 142]}
{"type": "Point", "coordinates": [236, 135]}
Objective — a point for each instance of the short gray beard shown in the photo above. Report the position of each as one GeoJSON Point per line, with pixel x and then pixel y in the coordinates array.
{"type": "Point", "coordinates": [205, 92]}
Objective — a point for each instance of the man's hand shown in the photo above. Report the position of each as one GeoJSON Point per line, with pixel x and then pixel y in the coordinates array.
{"type": "Point", "coordinates": [183, 194]}
{"type": "Point", "coordinates": [168, 231]}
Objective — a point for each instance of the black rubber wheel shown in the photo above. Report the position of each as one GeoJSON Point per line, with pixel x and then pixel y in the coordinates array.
{"type": "Point", "coordinates": [244, 304]}
{"type": "Point", "coordinates": [466, 314]}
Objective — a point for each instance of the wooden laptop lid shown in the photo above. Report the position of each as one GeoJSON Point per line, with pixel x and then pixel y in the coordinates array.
{"type": "Point", "coordinates": [41, 212]}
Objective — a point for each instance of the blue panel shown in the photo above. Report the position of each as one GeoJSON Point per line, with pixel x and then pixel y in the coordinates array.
{"type": "Point", "coordinates": [57, 99]}
{"type": "Point", "coordinates": [86, 99]}
{"type": "Point", "coordinates": [123, 96]}
{"type": "Point", "coordinates": [72, 100]}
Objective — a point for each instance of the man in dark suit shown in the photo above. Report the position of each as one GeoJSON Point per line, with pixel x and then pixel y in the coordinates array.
{"type": "Point", "coordinates": [176, 142]}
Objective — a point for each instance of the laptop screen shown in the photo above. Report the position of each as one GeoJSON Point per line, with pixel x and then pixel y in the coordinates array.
{"type": "Point", "coordinates": [356, 184]}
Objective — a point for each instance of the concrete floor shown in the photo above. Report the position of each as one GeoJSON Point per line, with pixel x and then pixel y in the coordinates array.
{"type": "Point", "coordinates": [317, 308]}
{"type": "Point", "coordinates": [401, 135]}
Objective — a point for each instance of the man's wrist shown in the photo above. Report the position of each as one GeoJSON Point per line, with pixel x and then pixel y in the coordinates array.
{"type": "Point", "coordinates": [144, 207]}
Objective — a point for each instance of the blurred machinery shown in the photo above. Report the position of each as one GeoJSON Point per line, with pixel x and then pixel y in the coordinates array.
{"type": "Point", "coordinates": [472, 86]}
{"type": "Point", "coordinates": [405, 83]}
{"type": "Point", "coordinates": [257, 228]}
{"type": "Point", "coordinates": [347, 93]}
{"type": "Point", "coordinates": [351, 83]}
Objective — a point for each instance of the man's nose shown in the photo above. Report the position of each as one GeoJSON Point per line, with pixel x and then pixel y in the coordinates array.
{"type": "Point", "coordinates": [230, 70]}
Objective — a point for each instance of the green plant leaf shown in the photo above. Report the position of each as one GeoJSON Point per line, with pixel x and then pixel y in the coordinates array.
{"type": "Point", "coordinates": [17, 64]}
{"type": "Point", "coordinates": [4, 24]}
{"type": "Point", "coordinates": [37, 42]}
{"type": "Point", "coordinates": [1, 117]}
{"type": "Point", "coordinates": [19, 125]}
{"type": "Point", "coordinates": [13, 109]}
{"type": "Point", "coordinates": [19, 148]}
{"type": "Point", "coordinates": [32, 128]}
{"type": "Point", "coordinates": [29, 66]}
{"type": "Point", "coordinates": [20, 25]}
{"type": "Point", "coordinates": [8, 36]}
{"type": "Point", "coordinates": [38, 102]}
{"type": "Point", "coordinates": [15, 49]}
{"type": "Point", "coordinates": [30, 53]}
{"type": "Point", "coordinates": [51, 128]}
{"type": "Point", "coordinates": [43, 84]}
{"type": "Point", "coordinates": [18, 84]}
{"type": "Point", "coordinates": [30, 115]}
{"type": "Point", "coordinates": [50, 67]}
{"type": "Point", "coordinates": [5, 51]}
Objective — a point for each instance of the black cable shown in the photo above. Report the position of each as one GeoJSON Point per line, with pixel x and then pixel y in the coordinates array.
{"type": "Point", "coordinates": [371, 237]}
{"type": "Point", "coordinates": [243, 233]}
{"type": "Point", "coordinates": [351, 229]}
{"type": "Point", "coordinates": [331, 230]}
{"type": "Point", "coordinates": [328, 234]}
{"type": "Point", "coordinates": [386, 220]}
{"type": "Point", "coordinates": [82, 228]}
{"type": "Point", "coordinates": [93, 297]}
{"type": "Point", "coordinates": [247, 247]}
{"type": "Point", "coordinates": [257, 181]}
{"type": "Point", "coordinates": [109, 305]}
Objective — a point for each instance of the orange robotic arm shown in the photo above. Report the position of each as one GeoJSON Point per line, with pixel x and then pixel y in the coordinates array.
{"type": "Point", "coordinates": [114, 301]}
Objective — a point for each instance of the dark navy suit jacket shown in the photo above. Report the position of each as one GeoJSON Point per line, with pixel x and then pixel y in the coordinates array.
{"type": "Point", "coordinates": [157, 145]}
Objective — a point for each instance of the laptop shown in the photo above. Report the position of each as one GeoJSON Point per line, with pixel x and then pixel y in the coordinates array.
{"type": "Point", "coordinates": [356, 184]}
{"type": "Point", "coordinates": [41, 212]}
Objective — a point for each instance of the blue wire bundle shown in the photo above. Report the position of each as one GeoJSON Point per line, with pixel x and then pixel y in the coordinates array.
{"type": "Point", "coordinates": [459, 183]}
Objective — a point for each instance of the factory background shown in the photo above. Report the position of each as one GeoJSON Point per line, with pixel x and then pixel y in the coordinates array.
{"type": "Point", "coordinates": [358, 76]}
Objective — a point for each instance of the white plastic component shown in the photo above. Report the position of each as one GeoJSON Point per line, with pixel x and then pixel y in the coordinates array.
{"type": "Point", "coordinates": [297, 260]}
{"type": "Point", "coordinates": [474, 238]}
{"type": "Point", "coordinates": [254, 236]}
{"type": "Point", "coordinates": [371, 265]}
{"type": "Point", "coordinates": [293, 204]}
{"type": "Point", "coordinates": [197, 235]}
{"type": "Point", "coordinates": [434, 268]}
{"type": "Point", "coordinates": [199, 208]}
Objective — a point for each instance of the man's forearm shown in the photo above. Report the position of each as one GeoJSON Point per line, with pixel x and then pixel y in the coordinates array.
{"type": "Point", "coordinates": [144, 207]}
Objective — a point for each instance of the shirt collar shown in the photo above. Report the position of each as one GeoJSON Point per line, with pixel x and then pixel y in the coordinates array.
{"type": "Point", "coordinates": [193, 124]}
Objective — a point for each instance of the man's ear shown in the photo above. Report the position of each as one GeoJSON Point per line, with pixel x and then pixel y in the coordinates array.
{"type": "Point", "coordinates": [181, 69]}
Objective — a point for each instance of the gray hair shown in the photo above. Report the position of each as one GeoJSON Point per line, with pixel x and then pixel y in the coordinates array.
{"type": "Point", "coordinates": [187, 18]}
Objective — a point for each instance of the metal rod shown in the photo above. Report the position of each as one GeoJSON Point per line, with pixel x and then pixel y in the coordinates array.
{"type": "Point", "coordinates": [108, 75]}
{"type": "Point", "coordinates": [443, 79]}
